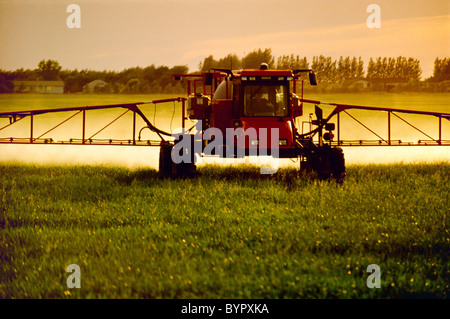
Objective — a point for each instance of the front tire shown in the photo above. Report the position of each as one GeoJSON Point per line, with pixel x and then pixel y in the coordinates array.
{"type": "Point", "coordinates": [337, 161]}
{"type": "Point", "coordinates": [326, 163]}
{"type": "Point", "coordinates": [167, 168]}
{"type": "Point", "coordinates": [165, 161]}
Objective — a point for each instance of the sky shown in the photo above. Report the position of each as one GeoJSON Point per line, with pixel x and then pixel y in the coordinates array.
{"type": "Point", "coordinates": [118, 34]}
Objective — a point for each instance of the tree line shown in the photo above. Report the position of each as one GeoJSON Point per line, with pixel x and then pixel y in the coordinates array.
{"type": "Point", "coordinates": [150, 79]}
{"type": "Point", "coordinates": [327, 69]}
{"type": "Point", "coordinates": [441, 70]}
{"type": "Point", "coordinates": [331, 73]}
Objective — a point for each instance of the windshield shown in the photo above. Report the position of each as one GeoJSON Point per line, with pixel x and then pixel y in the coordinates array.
{"type": "Point", "coordinates": [265, 100]}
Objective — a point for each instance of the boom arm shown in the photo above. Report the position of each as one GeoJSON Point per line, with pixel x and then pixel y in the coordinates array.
{"type": "Point", "coordinates": [343, 108]}
{"type": "Point", "coordinates": [133, 107]}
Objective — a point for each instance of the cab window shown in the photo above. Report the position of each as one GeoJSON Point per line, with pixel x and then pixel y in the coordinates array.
{"type": "Point", "coordinates": [265, 100]}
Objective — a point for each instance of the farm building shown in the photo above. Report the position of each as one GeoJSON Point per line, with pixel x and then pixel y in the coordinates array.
{"type": "Point", "coordinates": [360, 84]}
{"type": "Point", "coordinates": [97, 86]}
{"type": "Point", "coordinates": [38, 86]}
{"type": "Point", "coordinates": [387, 84]}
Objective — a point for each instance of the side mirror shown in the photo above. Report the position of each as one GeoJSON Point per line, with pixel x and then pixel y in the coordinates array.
{"type": "Point", "coordinates": [319, 113]}
{"type": "Point", "coordinates": [208, 78]}
{"type": "Point", "coordinates": [312, 78]}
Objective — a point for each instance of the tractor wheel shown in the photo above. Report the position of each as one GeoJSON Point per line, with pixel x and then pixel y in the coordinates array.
{"type": "Point", "coordinates": [305, 166]}
{"type": "Point", "coordinates": [326, 163]}
{"type": "Point", "coordinates": [321, 164]}
{"type": "Point", "coordinates": [337, 162]}
{"type": "Point", "coordinates": [167, 168]}
{"type": "Point", "coordinates": [184, 170]}
{"type": "Point", "coordinates": [317, 163]}
{"type": "Point", "coordinates": [165, 161]}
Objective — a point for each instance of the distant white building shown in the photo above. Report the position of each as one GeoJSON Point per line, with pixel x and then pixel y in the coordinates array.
{"type": "Point", "coordinates": [38, 86]}
{"type": "Point", "coordinates": [388, 84]}
{"type": "Point", "coordinates": [362, 84]}
{"type": "Point", "coordinates": [97, 86]}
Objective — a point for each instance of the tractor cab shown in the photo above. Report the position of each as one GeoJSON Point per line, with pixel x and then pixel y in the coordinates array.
{"type": "Point", "coordinates": [264, 103]}
{"type": "Point", "coordinates": [261, 102]}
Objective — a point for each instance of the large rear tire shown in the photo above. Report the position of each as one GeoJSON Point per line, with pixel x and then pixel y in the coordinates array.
{"type": "Point", "coordinates": [165, 161]}
{"type": "Point", "coordinates": [167, 168]}
{"type": "Point", "coordinates": [326, 163]}
{"type": "Point", "coordinates": [337, 161]}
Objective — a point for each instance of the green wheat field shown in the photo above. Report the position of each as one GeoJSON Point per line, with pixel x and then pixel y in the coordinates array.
{"type": "Point", "coordinates": [228, 233]}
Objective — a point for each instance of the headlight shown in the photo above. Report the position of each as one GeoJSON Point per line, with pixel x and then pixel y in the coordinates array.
{"type": "Point", "coordinates": [283, 142]}
{"type": "Point", "coordinates": [254, 142]}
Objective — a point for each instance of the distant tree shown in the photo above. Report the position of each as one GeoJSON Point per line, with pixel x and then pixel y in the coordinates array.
{"type": "Point", "coordinates": [391, 69]}
{"type": "Point", "coordinates": [283, 63]}
{"type": "Point", "coordinates": [110, 76]}
{"type": "Point", "coordinates": [131, 73]}
{"type": "Point", "coordinates": [400, 68]}
{"type": "Point", "coordinates": [378, 74]}
{"type": "Point", "coordinates": [287, 62]}
{"type": "Point", "coordinates": [317, 66]}
{"type": "Point", "coordinates": [254, 59]}
{"type": "Point", "coordinates": [136, 86]}
{"type": "Point", "coordinates": [152, 79]}
{"type": "Point", "coordinates": [370, 69]}
{"type": "Point", "coordinates": [441, 70]}
{"type": "Point", "coordinates": [48, 70]}
{"type": "Point", "coordinates": [165, 79]}
{"type": "Point", "coordinates": [344, 69]}
{"type": "Point", "coordinates": [353, 64]}
{"type": "Point", "coordinates": [301, 63]}
{"type": "Point", "coordinates": [155, 87]}
{"type": "Point", "coordinates": [325, 69]}
{"type": "Point", "coordinates": [6, 84]}
{"type": "Point", "coordinates": [385, 73]}
{"type": "Point", "coordinates": [73, 84]}
{"type": "Point", "coordinates": [149, 73]}
{"type": "Point", "coordinates": [179, 69]}
{"type": "Point", "coordinates": [350, 68]}
{"type": "Point", "coordinates": [173, 85]}
{"type": "Point", "coordinates": [25, 75]}
{"type": "Point", "coordinates": [175, 88]}
{"type": "Point", "coordinates": [414, 71]}
{"type": "Point", "coordinates": [75, 80]}
{"type": "Point", "coordinates": [207, 64]}
{"type": "Point", "coordinates": [360, 68]}
{"type": "Point", "coordinates": [231, 61]}
{"type": "Point", "coordinates": [407, 69]}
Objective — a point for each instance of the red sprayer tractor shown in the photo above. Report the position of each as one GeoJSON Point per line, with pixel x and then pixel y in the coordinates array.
{"type": "Point", "coordinates": [250, 112]}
